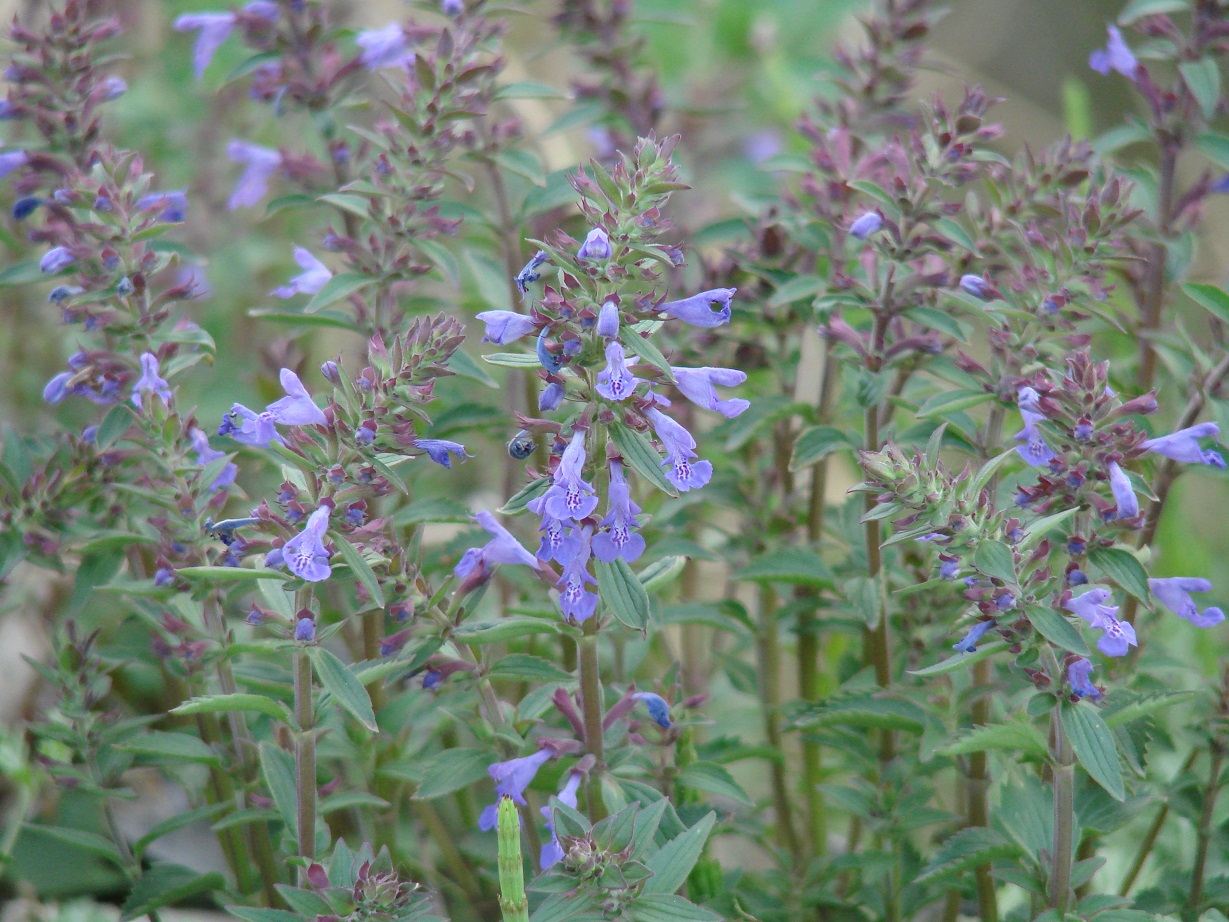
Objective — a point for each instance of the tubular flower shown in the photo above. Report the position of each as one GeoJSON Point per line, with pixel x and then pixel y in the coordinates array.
{"type": "Point", "coordinates": [570, 497]}
{"type": "Point", "coordinates": [659, 710]}
{"type": "Point", "coordinates": [1124, 493]}
{"type": "Point", "coordinates": [314, 276]}
{"type": "Point", "coordinates": [552, 851]}
{"type": "Point", "coordinates": [297, 407]}
{"type": "Point", "coordinates": [150, 381]}
{"type": "Point", "coordinates": [260, 163]}
{"type": "Point", "coordinates": [1118, 636]}
{"type": "Point", "coordinates": [620, 540]}
{"type": "Point", "coordinates": [1077, 678]}
{"type": "Point", "coordinates": [503, 327]}
{"type": "Point", "coordinates": [577, 602]}
{"type": "Point", "coordinates": [680, 452]}
{"type": "Point", "coordinates": [1114, 56]}
{"type": "Point", "coordinates": [615, 381]}
{"type": "Point", "coordinates": [305, 553]}
{"type": "Point", "coordinates": [1174, 593]}
{"type": "Point", "coordinates": [1183, 445]}
{"type": "Point", "coordinates": [502, 548]}
{"type": "Point", "coordinates": [699, 386]}
{"type": "Point", "coordinates": [968, 643]}
{"type": "Point", "coordinates": [511, 779]}
{"type": "Point", "coordinates": [441, 450]}
{"type": "Point", "coordinates": [698, 309]}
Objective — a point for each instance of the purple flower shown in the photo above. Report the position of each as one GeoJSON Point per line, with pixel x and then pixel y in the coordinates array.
{"type": "Point", "coordinates": [24, 207]}
{"type": "Point", "coordinates": [247, 427]}
{"type": "Point", "coordinates": [456, 8]}
{"type": "Point", "coordinates": [577, 602]}
{"type": "Point", "coordinates": [615, 381]}
{"type": "Point", "coordinates": [1035, 450]}
{"type": "Point", "coordinates": [596, 245]}
{"type": "Point", "coordinates": [1114, 56]}
{"type": "Point", "coordinates": [679, 446]}
{"type": "Point", "coordinates": [699, 386]}
{"type": "Point", "coordinates": [1118, 636]}
{"type": "Point", "coordinates": [57, 388]}
{"type": "Point", "coordinates": [552, 851]}
{"type": "Point", "coordinates": [1124, 493]}
{"type": "Point", "coordinates": [305, 630]}
{"type": "Point", "coordinates": [1077, 678]}
{"type": "Point", "coordinates": [173, 205]}
{"type": "Point", "coordinates": [968, 643]}
{"type": "Point", "coordinates": [11, 160]}
{"type": "Point", "coordinates": [608, 321]}
{"type": "Point", "coordinates": [1174, 593]}
{"type": "Point", "coordinates": [570, 497]}
{"type": "Point", "coordinates": [331, 371]}
{"type": "Point", "coordinates": [214, 30]}
{"type": "Point", "coordinates": [260, 165]}
{"type": "Point", "coordinates": [206, 455]}
{"type": "Point", "coordinates": [502, 548]}
{"type": "Point", "coordinates": [441, 451]}
{"type": "Point", "coordinates": [551, 397]}
{"type": "Point", "coordinates": [865, 225]}
{"type": "Point", "coordinates": [275, 559]}
{"type": "Point", "coordinates": [387, 47]}
{"type": "Point", "coordinates": [297, 407]}
{"type": "Point", "coordinates": [620, 540]}
{"type": "Point", "coordinates": [976, 286]}
{"type": "Point", "coordinates": [511, 778]}
{"type": "Point", "coordinates": [149, 381]}
{"type": "Point", "coordinates": [697, 310]}
{"type": "Point", "coordinates": [554, 531]}
{"type": "Point", "coordinates": [659, 710]}
{"type": "Point", "coordinates": [305, 553]}
{"type": "Point", "coordinates": [503, 327]}
{"type": "Point", "coordinates": [55, 259]}
{"type": "Point", "coordinates": [311, 280]}
{"type": "Point", "coordinates": [550, 361]}
{"type": "Point", "coordinates": [113, 88]}
{"type": "Point", "coordinates": [1183, 445]}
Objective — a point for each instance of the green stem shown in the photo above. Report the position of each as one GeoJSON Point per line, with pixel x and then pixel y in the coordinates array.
{"type": "Point", "coordinates": [1063, 761]}
{"type": "Point", "coordinates": [305, 754]}
{"type": "Point", "coordinates": [878, 645]}
{"type": "Point", "coordinates": [513, 902]}
{"type": "Point", "coordinates": [1204, 831]}
{"type": "Point", "coordinates": [768, 650]}
{"type": "Point", "coordinates": [131, 866]}
{"type": "Point", "coordinates": [592, 714]}
{"type": "Point", "coordinates": [1145, 847]}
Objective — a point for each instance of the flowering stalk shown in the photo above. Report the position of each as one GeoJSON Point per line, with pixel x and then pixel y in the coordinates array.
{"type": "Point", "coordinates": [592, 709]}
{"type": "Point", "coordinates": [1062, 759]}
{"type": "Point", "coordinates": [512, 900]}
{"type": "Point", "coordinates": [305, 754]}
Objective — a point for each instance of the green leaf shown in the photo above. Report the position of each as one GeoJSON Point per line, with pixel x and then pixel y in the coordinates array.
{"type": "Point", "coordinates": [1123, 568]}
{"type": "Point", "coordinates": [475, 635]}
{"type": "Point", "coordinates": [277, 767]}
{"type": "Point", "coordinates": [229, 574]}
{"type": "Point", "coordinates": [166, 884]}
{"type": "Point", "coordinates": [1215, 147]}
{"type": "Point", "coordinates": [338, 288]}
{"type": "Point", "coordinates": [21, 273]}
{"type": "Point", "coordinates": [639, 452]}
{"type": "Point", "coordinates": [361, 569]}
{"type": "Point", "coordinates": [674, 860]}
{"type": "Point", "coordinates": [524, 666]}
{"type": "Point", "coordinates": [816, 443]}
{"type": "Point", "coordinates": [795, 565]}
{"type": "Point", "coordinates": [670, 907]}
{"type": "Point", "coordinates": [1127, 707]}
{"type": "Point", "coordinates": [224, 704]}
{"type": "Point", "coordinates": [171, 747]}
{"type": "Point", "coordinates": [965, 850]}
{"type": "Point", "coordinates": [1015, 736]}
{"type": "Point", "coordinates": [175, 823]}
{"type": "Point", "coordinates": [357, 205]}
{"type": "Point", "coordinates": [463, 364]}
{"type": "Point", "coordinates": [623, 593]}
{"type": "Point", "coordinates": [117, 421]}
{"type": "Point", "coordinates": [955, 232]}
{"type": "Point", "coordinates": [648, 352]}
{"type": "Point", "coordinates": [91, 842]}
{"type": "Point", "coordinates": [1138, 9]}
{"type": "Point", "coordinates": [523, 163]}
{"type": "Point", "coordinates": [1202, 78]}
{"type": "Point", "coordinates": [994, 558]}
{"type": "Point", "coordinates": [526, 89]}
{"type": "Point", "coordinates": [1055, 628]}
{"type": "Point", "coordinates": [513, 360]}
{"type": "Point", "coordinates": [798, 288]}
{"type": "Point", "coordinates": [1093, 743]}
{"type": "Point", "coordinates": [258, 914]}
{"type": "Point", "coordinates": [346, 690]}
{"type": "Point", "coordinates": [962, 660]}
{"type": "Point", "coordinates": [662, 572]}
{"type": "Point", "coordinates": [713, 778]}
{"type": "Point", "coordinates": [452, 770]}
{"type": "Point", "coordinates": [863, 710]}
{"type": "Point", "coordinates": [1034, 531]}
{"type": "Point", "coordinates": [333, 319]}
{"type": "Point", "coordinates": [950, 401]}
{"type": "Point", "coordinates": [1211, 298]}
{"type": "Point", "coordinates": [524, 496]}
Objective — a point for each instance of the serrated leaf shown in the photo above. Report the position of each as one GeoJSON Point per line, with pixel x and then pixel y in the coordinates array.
{"type": "Point", "coordinates": [623, 593]}
{"type": "Point", "coordinates": [117, 421]}
{"type": "Point", "coordinates": [171, 747]}
{"type": "Point", "coordinates": [1127, 708]}
{"type": "Point", "coordinates": [452, 770]}
{"type": "Point", "coordinates": [674, 860]}
{"type": "Point", "coordinates": [1015, 736]}
{"type": "Point", "coordinates": [867, 710]}
{"type": "Point", "coordinates": [341, 683]}
{"type": "Point", "coordinates": [967, 849]}
{"type": "Point", "coordinates": [994, 558]}
{"type": "Point", "coordinates": [91, 842]}
{"type": "Point", "coordinates": [524, 666]}
{"type": "Point", "coordinates": [962, 660]}
{"type": "Point", "coordinates": [797, 566]}
{"type": "Point", "coordinates": [1123, 568]}
{"type": "Point", "coordinates": [180, 821]}
{"type": "Point", "coordinates": [1055, 628]}
{"type": "Point", "coordinates": [638, 452]}
{"type": "Point", "coordinates": [225, 704]}
{"type": "Point", "coordinates": [167, 884]}
{"type": "Point", "coordinates": [670, 907]}
{"type": "Point", "coordinates": [1094, 747]}
{"type": "Point", "coordinates": [817, 443]}
{"type": "Point", "coordinates": [524, 496]}
{"type": "Point", "coordinates": [360, 568]}
{"type": "Point", "coordinates": [476, 635]}
{"type": "Point", "coordinates": [277, 768]}
{"type": "Point", "coordinates": [714, 779]}
{"type": "Point", "coordinates": [950, 401]}
{"type": "Point", "coordinates": [338, 288]}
